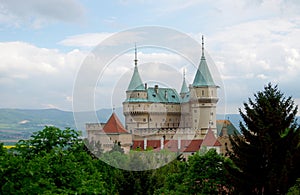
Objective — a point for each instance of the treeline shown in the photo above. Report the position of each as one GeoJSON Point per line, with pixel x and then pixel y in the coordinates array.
{"type": "Point", "coordinates": [55, 161]}
{"type": "Point", "coordinates": [265, 160]}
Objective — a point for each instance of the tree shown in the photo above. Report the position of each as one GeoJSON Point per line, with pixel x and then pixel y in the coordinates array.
{"type": "Point", "coordinates": [206, 174]}
{"type": "Point", "coordinates": [53, 161]}
{"type": "Point", "coordinates": [267, 155]}
{"type": "Point", "coordinates": [203, 173]}
{"type": "Point", "coordinates": [48, 139]}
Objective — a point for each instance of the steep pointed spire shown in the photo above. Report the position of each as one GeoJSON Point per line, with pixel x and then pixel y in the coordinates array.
{"type": "Point", "coordinates": [203, 76]}
{"type": "Point", "coordinates": [135, 52]}
{"type": "Point", "coordinates": [202, 46]}
{"type": "Point", "coordinates": [136, 83]}
{"type": "Point", "coordinates": [184, 88]}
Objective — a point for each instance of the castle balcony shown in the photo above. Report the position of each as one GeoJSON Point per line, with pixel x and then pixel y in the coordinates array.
{"type": "Point", "coordinates": [206, 100]}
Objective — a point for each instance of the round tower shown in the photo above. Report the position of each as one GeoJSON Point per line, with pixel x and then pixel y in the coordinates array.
{"type": "Point", "coordinates": [203, 99]}
{"type": "Point", "coordinates": [134, 109]}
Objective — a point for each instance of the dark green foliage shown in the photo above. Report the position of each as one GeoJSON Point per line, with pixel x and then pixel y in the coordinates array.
{"type": "Point", "coordinates": [202, 174]}
{"type": "Point", "coordinates": [49, 139]}
{"type": "Point", "coordinates": [267, 155]}
{"type": "Point", "coordinates": [52, 162]}
{"type": "Point", "coordinates": [295, 190]}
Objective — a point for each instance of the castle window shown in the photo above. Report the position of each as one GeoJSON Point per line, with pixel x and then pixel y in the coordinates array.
{"type": "Point", "coordinates": [173, 96]}
{"type": "Point", "coordinates": [139, 105]}
{"type": "Point", "coordinates": [131, 120]}
{"type": "Point", "coordinates": [138, 94]}
{"type": "Point", "coordinates": [144, 120]}
{"type": "Point", "coordinates": [195, 120]}
{"type": "Point", "coordinates": [170, 119]}
{"type": "Point", "coordinates": [202, 92]}
{"type": "Point", "coordinates": [153, 95]}
{"type": "Point", "coordinates": [150, 119]}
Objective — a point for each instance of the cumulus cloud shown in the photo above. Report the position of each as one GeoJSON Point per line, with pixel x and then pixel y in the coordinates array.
{"type": "Point", "coordinates": [35, 77]}
{"type": "Point", "coordinates": [36, 13]}
{"type": "Point", "coordinates": [257, 52]}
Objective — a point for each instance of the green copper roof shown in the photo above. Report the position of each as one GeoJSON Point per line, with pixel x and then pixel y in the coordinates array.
{"type": "Point", "coordinates": [230, 127]}
{"type": "Point", "coordinates": [203, 76]}
{"type": "Point", "coordinates": [163, 95]}
{"type": "Point", "coordinates": [159, 95]}
{"type": "Point", "coordinates": [186, 98]}
{"type": "Point", "coordinates": [184, 88]}
{"type": "Point", "coordinates": [136, 83]}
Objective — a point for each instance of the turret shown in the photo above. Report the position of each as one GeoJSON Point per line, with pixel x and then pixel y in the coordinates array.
{"type": "Point", "coordinates": [184, 89]}
{"type": "Point", "coordinates": [203, 98]}
{"type": "Point", "coordinates": [134, 108]}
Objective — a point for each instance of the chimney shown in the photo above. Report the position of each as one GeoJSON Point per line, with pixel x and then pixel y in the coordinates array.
{"type": "Point", "coordinates": [156, 89]}
{"type": "Point", "coordinates": [162, 143]}
{"type": "Point", "coordinates": [179, 143]}
{"type": "Point", "coordinates": [145, 143]}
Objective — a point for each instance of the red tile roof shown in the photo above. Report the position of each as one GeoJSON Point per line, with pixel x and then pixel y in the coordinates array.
{"type": "Point", "coordinates": [210, 139]}
{"type": "Point", "coordinates": [114, 125]}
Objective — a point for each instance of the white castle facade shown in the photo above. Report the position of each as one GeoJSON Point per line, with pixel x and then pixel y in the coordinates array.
{"type": "Point", "coordinates": [158, 117]}
{"type": "Point", "coordinates": [149, 110]}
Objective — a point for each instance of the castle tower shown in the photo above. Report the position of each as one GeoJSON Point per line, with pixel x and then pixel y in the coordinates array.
{"type": "Point", "coordinates": [185, 119]}
{"type": "Point", "coordinates": [203, 99]}
{"type": "Point", "coordinates": [184, 89]}
{"type": "Point", "coordinates": [150, 107]}
{"type": "Point", "coordinates": [136, 94]}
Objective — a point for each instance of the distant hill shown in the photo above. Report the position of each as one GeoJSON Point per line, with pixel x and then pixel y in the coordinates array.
{"type": "Point", "coordinates": [16, 124]}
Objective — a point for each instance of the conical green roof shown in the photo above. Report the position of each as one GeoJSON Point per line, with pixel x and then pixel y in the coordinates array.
{"type": "Point", "coordinates": [136, 83]}
{"type": "Point", "coordinates": [184, 88]}
{"type": "Point", "coordinates": [203, 76]}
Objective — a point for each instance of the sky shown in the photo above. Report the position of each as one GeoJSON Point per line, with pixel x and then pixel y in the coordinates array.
{"type": "Point", "coordinates": [44, 44]}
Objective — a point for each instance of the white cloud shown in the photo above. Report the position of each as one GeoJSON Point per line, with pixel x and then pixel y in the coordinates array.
{"type": "Point", "coordinates": [257, 52]}
{"type": "Point", "coordinates": [36, 13]}
{"type": "Point", "coordinates": [36, 77]}
{"type": "Point", "coordinates": [85, 40]}
{"type": "Point", "coordinates": [103, 38]}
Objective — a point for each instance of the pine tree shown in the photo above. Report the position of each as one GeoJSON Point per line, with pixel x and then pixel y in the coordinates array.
{"type": "Point", "coordinates": [267, 155]}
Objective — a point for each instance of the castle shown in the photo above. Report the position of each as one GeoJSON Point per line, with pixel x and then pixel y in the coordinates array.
{"type": "Point", "coordinates": [158, 117]}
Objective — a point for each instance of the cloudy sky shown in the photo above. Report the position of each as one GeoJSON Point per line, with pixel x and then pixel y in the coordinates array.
{"type": "Point", "coordinates": [43, 45]}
